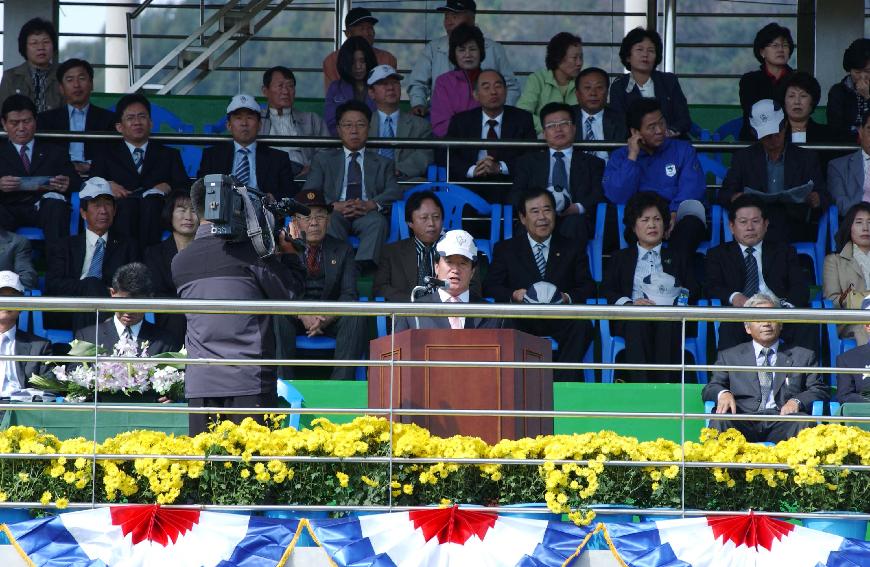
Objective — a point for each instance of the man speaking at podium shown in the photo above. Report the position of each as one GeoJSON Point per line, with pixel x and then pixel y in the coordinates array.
{"type": "Point", "coordinates": [457, 260]}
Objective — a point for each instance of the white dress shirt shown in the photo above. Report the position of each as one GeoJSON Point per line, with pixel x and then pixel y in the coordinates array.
{"type": "Point", "coordinates": [463, 298]}
{"type": "Point", "coordinates": [9, 381]}
{"type": "Point", "coordinates": [361, 161]}
{"type": "Point", "coordinates": [762, 287]}
{"type": "Point", "coordinates": [90, 244]}
{"type": "Point", "coordinates": [597, 129]}
{"type": "Point", "coordinates": [78, 117]}
{"type": "Point", "coordinates": [545, 251]}
{"type": "Point", "coordinates": [484, 130]}
{"type": "Point", "coordinates": [646, 91]}
{"type": "Point", "coordinates": [134, 329]}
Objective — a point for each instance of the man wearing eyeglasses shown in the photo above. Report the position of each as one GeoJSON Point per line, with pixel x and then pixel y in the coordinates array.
{"type": "Point", "coordinates": [573, 177]}
{"type": "Point", "coordinates": [330, 275]}
{"type": "Point", "coordinates": [651, 161]}
{"type": "Point", "coordinates": [360, 184]}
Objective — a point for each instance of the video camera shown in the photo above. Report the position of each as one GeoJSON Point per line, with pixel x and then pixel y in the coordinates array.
{"type": "Point", "coordinates": [238, 212]}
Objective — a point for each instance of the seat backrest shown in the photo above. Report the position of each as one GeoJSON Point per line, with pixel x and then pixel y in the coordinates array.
{"type": "Point", "coordinates": [454, 199]}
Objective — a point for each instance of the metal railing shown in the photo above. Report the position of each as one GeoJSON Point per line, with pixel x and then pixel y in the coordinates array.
{"type": "Point", "coordinates": [393, 310]}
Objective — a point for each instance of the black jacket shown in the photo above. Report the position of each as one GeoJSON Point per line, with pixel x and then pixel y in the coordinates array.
{"type": "Point", "coordinates": [615, 129]}
{"type": "Point", "coordinates": [842, 110]}
{"type": "Point", "coordinates": [31, 345]}
{"type": "Point", "coordinates": [782, 273]}
{"type": "Point", "coordinates": [274, 174]}
{"type": "Point", "coordinates": [339, 271]}
{"type": "Point", "coordinates": [754, 86]}
{"type": "Point", "coordinates": [46, 159]}
{"type": "Point", "coordinates": [158, 258]}
{"type": "Point", "coordinates": [214, 268]}
{"type": "Point", "coordinates": [162, 165]}
{"type": "Point", "coordinates": [97, 120]}
{"type": "Point", "coordinates": [513, 267]}
{"type": "Point", "coordinates": [106, 335]}
{"type": "Point", "coordinates": [851, 385]}
{"type": "Point", "coordinates": [675, 108]}
{"type": "Point", "coordinates": [584, 177]}
{"type": "Point", "coordinates": [66, 259]}
{"type": "Point", "coordinates": [619, 276]}
{"type": "Point", "coordinates": [516, 124]}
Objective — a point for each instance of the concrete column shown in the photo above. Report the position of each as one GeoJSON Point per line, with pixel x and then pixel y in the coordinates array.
{"type": "Point", "coordinates": [837, 24]}
{"type": "Point", "coordinates": [117, 80]}
{"type": "Point", "coordinates": [15, 14]}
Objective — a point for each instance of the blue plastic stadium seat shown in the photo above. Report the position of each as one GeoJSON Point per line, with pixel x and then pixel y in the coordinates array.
{"type": "Point", "coordinates": [294, 398]}
{"type": "Point", "coordinates": [34, 233]}
{"type": "Point", "coordinates": [304, 342]}
{"type": "Point", "coordinates": [836, 345]}
{"type": "Point", "coordinates": [55, 336]}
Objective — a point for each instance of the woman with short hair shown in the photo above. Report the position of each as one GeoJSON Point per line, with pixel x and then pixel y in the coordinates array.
{"type": "Point", "coordinates": [554, 83]}
{"type": "Point", "coordinates": [849, 100]}
{"type": "Point", "coordinates": [772, 47]}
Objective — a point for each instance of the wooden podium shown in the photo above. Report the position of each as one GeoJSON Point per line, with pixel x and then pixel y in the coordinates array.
{"type": "Point", "coordinates": [454, 387]}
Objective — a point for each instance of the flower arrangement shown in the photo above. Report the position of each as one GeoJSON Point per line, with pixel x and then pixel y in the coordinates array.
{"type": "Point", "coordinates": [565, 482]}
{"type": "Point", "coordinates": [79, 382]}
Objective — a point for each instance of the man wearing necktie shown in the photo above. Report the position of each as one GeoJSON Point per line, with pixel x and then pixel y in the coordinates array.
{"type": "Point", "coordinates": [596, 121]}
{"type": "Point", "coordinates": [35, 177]}
{"type": "Point", "coordinates": [35, 78]}
{"type": "Point", "coordinates": [849, 176]}
{"type": "Point", "coordinates": [389, 122]}
{"type": "Point", "coordinates": [140, 172]}
{"type": "Point", "coordinates": [130, 281]}
{"type": "Point", "coordinates": [773, 390]}
{"type": "Point", "coordinates": [359, 183]}
{"type": "Point", "coordinates": [457, 261]}
{"type": "Point", "coordinates": [573, 177]}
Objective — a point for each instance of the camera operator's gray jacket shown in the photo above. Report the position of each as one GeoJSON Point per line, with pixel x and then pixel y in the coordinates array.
{"type": "Point", "coordinates": [214, 268]}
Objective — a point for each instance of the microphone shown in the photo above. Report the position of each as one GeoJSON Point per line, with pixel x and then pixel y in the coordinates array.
{"type": "Point", "coordinates": [433, 282]}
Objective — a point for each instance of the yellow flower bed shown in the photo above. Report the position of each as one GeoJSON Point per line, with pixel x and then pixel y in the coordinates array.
{"type": "Point", "coordinates": [568, 487]}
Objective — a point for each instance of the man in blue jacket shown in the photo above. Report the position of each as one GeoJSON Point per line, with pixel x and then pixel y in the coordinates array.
{"type": "Point", "coordinates": [653, 162]}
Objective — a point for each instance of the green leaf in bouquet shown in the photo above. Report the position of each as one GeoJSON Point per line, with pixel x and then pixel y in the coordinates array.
{"type": "Point", "coordinates": [49, 384]}
{"type": "Point", "coordinates": [174, 355]}
{"type": "Point", "coordinates": [84, 348]}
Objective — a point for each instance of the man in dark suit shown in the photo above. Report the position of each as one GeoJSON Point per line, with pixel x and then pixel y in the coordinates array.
{"type": "Point", "coordinates": [14, 375]}
{"type": "Point", "coordinates": [494, 120]}
{"type": "Point", "coordinates": [25, 201]}
{"type": "Point", "coordinates": [457, 259]}
{"type": "Point", "coordinates": [574, 178]}
{"type": "Point", "coordinates": [385, 88]}
{"type": "Point", "coordinates": [765, 392]}
{"type": "Point", "coordinates": [737, 270]}
{"type": "Point", "coordinates": [773, 165]}
{"type": "Point", "coordinates": [83, 266]}
{"type": "Point", "coordinates": [536, 255]}
{"type": "Point", "coordinates": [360, 184]}
{"type": "Point", "coordinates": [594, 119]}
{"type": "Point", "coordinates": [140, 172]}
{"type": "Point", "coordinates": [331, 275]}
{"type": "Point", "coordinates": [852, 387]}
{"type": "Point", "coordinates": [255, 165]}
{"type": "Point", "coordinates": [848, 183]}
{"type": "Point", "coordinates": [16, 256]}
{"type": "Point", "coordinates": [75, 79]}
{"type": "Point", "coordinates": [130, 281]}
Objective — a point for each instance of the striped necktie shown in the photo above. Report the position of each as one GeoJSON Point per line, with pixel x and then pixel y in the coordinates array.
{"type": "Point", "coordinates": [243, 166]}
{"type": "Point", "coordinates": [96, 268]}
{"type": "Point", "coordinates": [539, 259]}
{"type": "Point", "coordinates": [751, 266]}
{"type": "Point", "coordinates": [388, 133]}
{"type": "Point", "coordinates": [138, 159]}
{"type": "Point", "coordinates": [765, 377]}
{"type": "Point", "coordinates": [354, 178]}
{"type": "Point", "coordinates": [455, 322]}
{"type": "Point", "coordinates": [25, 161]}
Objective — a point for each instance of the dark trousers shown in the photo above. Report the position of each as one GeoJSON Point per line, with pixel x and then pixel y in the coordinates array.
{"type": "Point", "coordinates": [763, 431]}
{"type": "Point", "coordinates": [576, 228]}
{"type": "Point", "coordinates": [573, 336]}
{"type": "Point", "coordinates": [18, 208]}
{"type": "Point", "coordinates": [199, 422]}
{"type": "Point", "coordinates": [650, 342]}
{"type": "Point", "coordinates": [140, 219]}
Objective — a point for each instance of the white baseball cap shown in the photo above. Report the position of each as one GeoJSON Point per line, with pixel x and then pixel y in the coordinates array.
{"type": "Point", "coordinates": [95, 187]}
{"type": "Point", "coordinates": [457, 242]}
{"type": "Point", "coordinates": [11, 280]}
{"type": "Point", "coordinates": [241, 101]}
{"type": "Point", "coordinates": [382, 72]}
{"type": "Point", "coordinates": [766, 118]}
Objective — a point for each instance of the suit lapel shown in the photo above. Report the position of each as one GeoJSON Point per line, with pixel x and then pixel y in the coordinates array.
{"type": "Point", "coordinates": [11, 157]}
{"type": "Point", "coordinates": [554, 259]}
{"type": "Point", "coordinates": [22, 347]}
{"type": "Point", "coordinates": [749, 359]}
{"type": "Point", "coordinates": [408, 261]}
{"type": "Point", "coordinates": [783, 360]}
{"type": "Point", "coordinates": [37, 157]}
{"type": "Point", "coordinates": [78, 252]}
{"type": "Point", "coordinates": [527, 255]}
{"type": "Point", "coordinates": [856, 168]}
{"type": "Point", "coordinates": [627, 283]}
{"type": "Point", "coordinates": [261, 164]}
{"type": "Point", "coordinates": [125, 158]}
{"type": "Point", "coordinates": [370, 170]}
{"type": "Point", "coordinates": [152, 157]}
{"type": "Point", "coordinates": [329, 267]}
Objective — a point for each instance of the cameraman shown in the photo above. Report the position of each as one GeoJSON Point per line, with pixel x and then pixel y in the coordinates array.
{"type": "Point", "coordinates": [216, 268]}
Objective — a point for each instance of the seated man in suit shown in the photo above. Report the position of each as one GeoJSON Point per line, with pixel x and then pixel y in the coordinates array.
{"type": "Point", "coordinates": [22, 201]}
{"type": "Point", "coordinates": [773, 166]}
{"type": "Point", "coordinates": [764, 392]}
{"type": "Point", "coordinates": [536, 255]}
{"type": "Point", "coordinates": [255, 165]}
{"type": "Point", "coordinates": [594, 119]}
{"type": "Point", "coordinates": [130, 281]}
{"type": "Point", "coordinates": [848, 180]}
{"type": "Point", "coordinates": [385, 89]}
{"type": "Point", "coordinates": [359, 184]}
{"type": "Point", "coordinates": [330, 276]}
{"type": "Point", "coordinates": [456, 264]}
{"type": "Point", "coordinates": [854, 386]}
{"type": "Point", "coordinates": [737, 270]}
{"type": "Point", "coordinates": [140, 172]}
{"type": "Point", "coordinates": [281, 119]}
{"type": "Point", "coordinates": [16, 256]}
{"type": "Point", "coordinates": [574, 178]}
{"type": "Point", "coordinates": [404, 264]}
{"type": "Point", "coordinates": [75, 79]}
{"type": "Point", "coordinates": [654, 162]}
{"type": "Point", "coordinates": [15, 374]}
{"type": "Point", "coordinates": [494, 120]}
{"type": "Point", "coordinates": [82, 266]}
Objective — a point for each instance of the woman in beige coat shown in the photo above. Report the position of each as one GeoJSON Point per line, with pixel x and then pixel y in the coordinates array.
{"type": "Point", "coordinates": [846, 277]}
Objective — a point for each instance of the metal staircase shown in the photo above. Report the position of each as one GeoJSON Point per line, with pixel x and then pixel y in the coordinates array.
{"type": "Point", "coordinates": [203, 51]}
